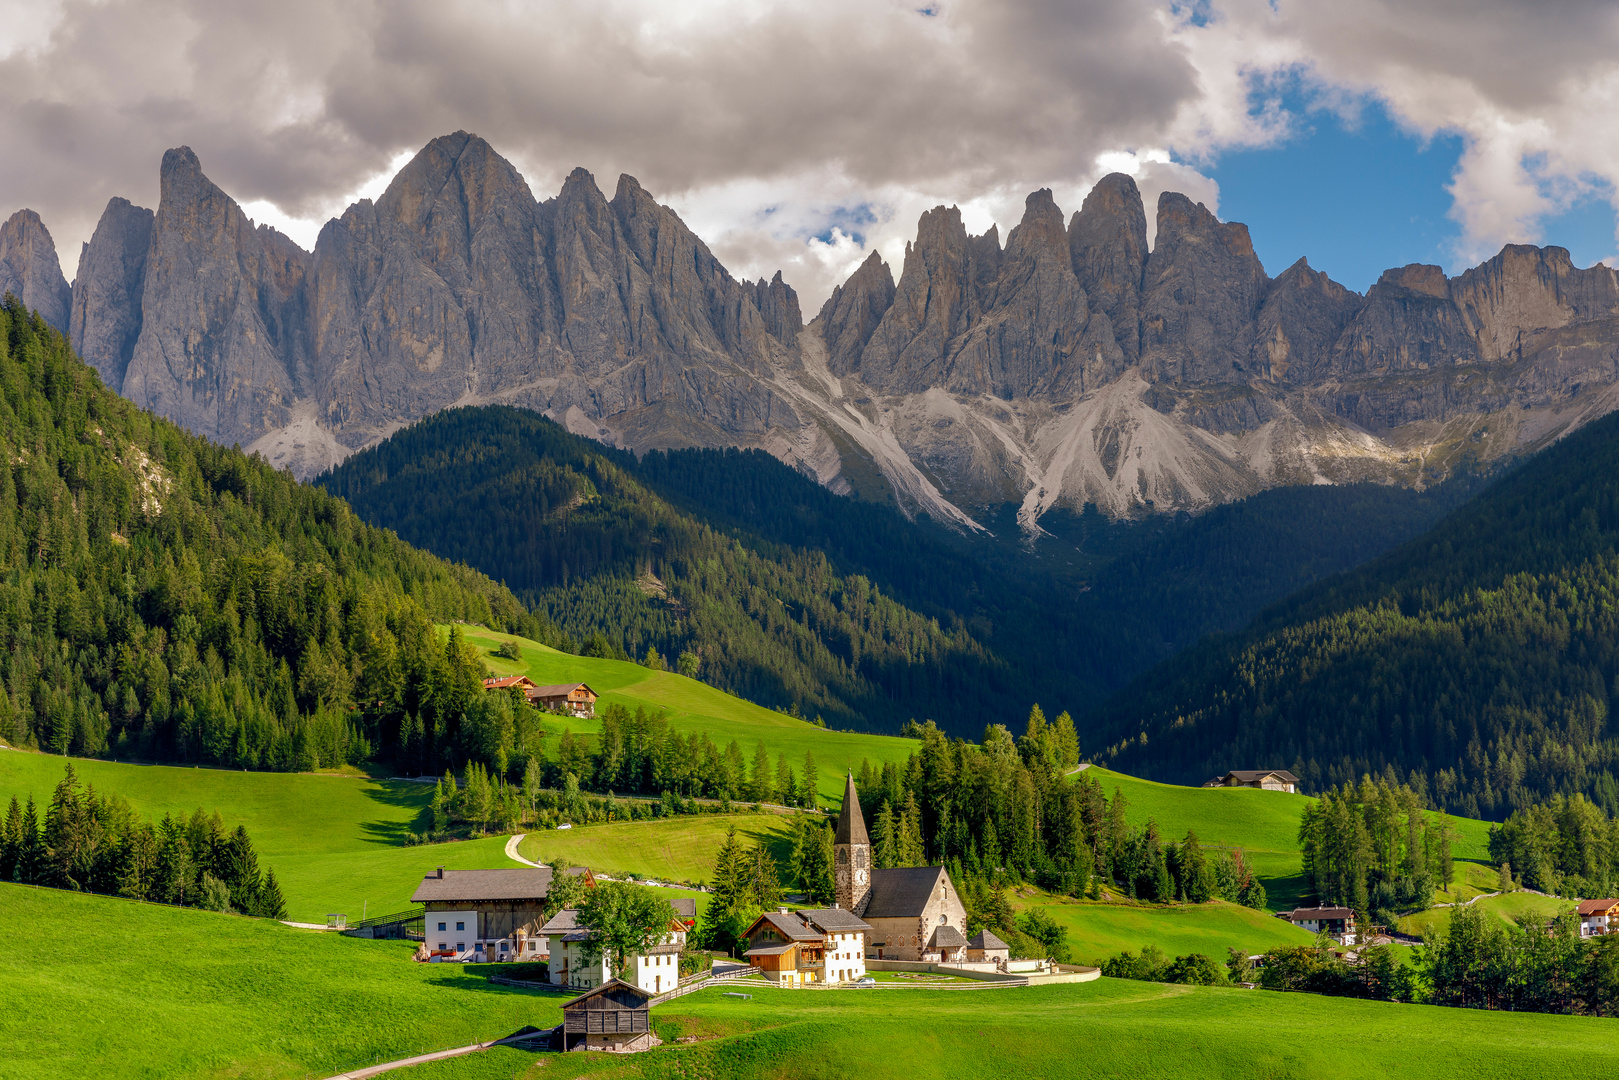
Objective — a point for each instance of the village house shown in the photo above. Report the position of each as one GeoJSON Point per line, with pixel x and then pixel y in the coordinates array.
{"type": "Point", "coordinates": [571, 699]}
{"type": "Point", "coordinates": [796, 948]}
{"type": "Point", "coordinates": [615, 1017]}
{"type": "Point", "coordinates": [1268, 779]}
{"type": "Point", "coordinates": [1598, 917]}
{"type": "Point", "coordinates": [985, 947]}
{"type": "Point", "coordinates": [487, 915]}
{"type": "Point", "coordinates": [915, 912]}
{"type": "Point", "coordinates": [656, 972]}
{"type": "Point", "coordinates": [1337, 923]}
{"type": "Point", "coordinates": [508, 682]}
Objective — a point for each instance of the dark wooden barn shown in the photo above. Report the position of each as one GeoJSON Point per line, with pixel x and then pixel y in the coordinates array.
{"type": "Point", "coordinates": [616, 1016]}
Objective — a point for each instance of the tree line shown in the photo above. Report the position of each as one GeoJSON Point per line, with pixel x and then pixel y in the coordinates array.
{"type": "Point", "coordinates": [1373, 848]}
{"type": "Point", "coordinates": [1565, 846]}
{"type": "Point", "coordinates": [96, 843]}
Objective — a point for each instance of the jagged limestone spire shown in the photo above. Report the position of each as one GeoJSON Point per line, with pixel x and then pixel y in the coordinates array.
{"type": "Point", "coordinates": [851, 869]}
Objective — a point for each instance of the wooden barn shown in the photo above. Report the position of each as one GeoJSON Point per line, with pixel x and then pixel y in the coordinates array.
{"type": "Point", "coordinates": [616, 1017]}
{"type": "Point", "coordinates": [574, 699]}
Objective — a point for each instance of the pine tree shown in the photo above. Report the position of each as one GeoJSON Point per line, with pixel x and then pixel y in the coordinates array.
{"type": "Point", "coordinates": [241, 871]}
{"type": "Point", "coordinates": [786, 790]}
{"type": "Point", "coordinates": [910, 849]}
{"type": "Point", "coordinates": [532, 783]}
{"type": "Point", "coordinates": [884, 838]}
{"type": "Point", "coordinates": [1066, 739]}
{"type": "Point", "coordinates": [31, 851]}
{"type": "Point", "coordinates": [271, 904]}
{"type": "Point", "coordinates": [11, 841]}
{"type": "Point", "coordinates": [812, 860]}
{"type": "Point", "coordinates": [761, 790]}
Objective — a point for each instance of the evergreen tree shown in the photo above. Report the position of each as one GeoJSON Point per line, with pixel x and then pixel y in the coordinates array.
{"type": "Point", "coordinates": [910, 851]}
{"type": "Point", "coordinates": [884, 839]}
{"type": "Point", "coordinates": [271, 904]}
{"type": "Point", "coordinates": [11, 841]}
{"type": "Point", "coordinates": [812, 860]}
{"type": "Point", "coordinates": [761, 788]}
{"type": "Point", "coordinates": [809, 790]}
{"type": "Point", "coordinates": [786, 789]}
{"type": "Point", "coordinates": [31, 867]}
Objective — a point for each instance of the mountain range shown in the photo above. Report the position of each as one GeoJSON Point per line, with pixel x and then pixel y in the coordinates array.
{"type": "Point", "coordinates": [1074, 364]}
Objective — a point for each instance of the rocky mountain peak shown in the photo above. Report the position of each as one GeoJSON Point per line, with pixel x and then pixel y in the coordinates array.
{"type": "Point", "coordinates": [30, 270]}
{"type": "Point", "coordinates": [1107, 241]}
{"type": "Point", "coordinates": [107, 290]}
{"type": "Point", "coordinates": [852, 312]}
{"type": "Point", "coordinates": [1418, 278]}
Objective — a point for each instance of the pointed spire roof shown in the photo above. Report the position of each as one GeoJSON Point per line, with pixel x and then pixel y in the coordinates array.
{"type": "Point", "coordinates": [851, 822]}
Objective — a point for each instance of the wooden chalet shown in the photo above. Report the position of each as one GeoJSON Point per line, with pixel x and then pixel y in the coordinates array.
{"type": "Point", "coordinates": [507, 682]}
{"type": "Point", "coordinates": [1337, 923]}
{"type": "Point", "coordinates": [615, 1016]}
{"type": "Point", "coordinates": [1268, 779]}
{"type": "Point", "coordinates": [573, 699]}
{"type": "Point", "coordinates": [1598, 917]}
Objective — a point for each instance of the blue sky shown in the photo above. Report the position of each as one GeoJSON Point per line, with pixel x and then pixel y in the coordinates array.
{"type": "Point", "coordinates": [1357, 199]}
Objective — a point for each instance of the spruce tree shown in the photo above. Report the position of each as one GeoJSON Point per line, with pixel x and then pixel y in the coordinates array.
{"type": "Point", "coordinates": [271, 904]}
{"type": "Point", "coordinates": [786, 789]}
{"type": "Point", "coordinates": [762, 787]}
{"type": "Point", "coordinates": [31, 851]}
{"type": "Point", "coordinates": [809, 790]}
{"type": "Point", "coordinates": [11, 841]}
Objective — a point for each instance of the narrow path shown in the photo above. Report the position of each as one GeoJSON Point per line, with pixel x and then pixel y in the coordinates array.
{"type": "Point", "coordinates": [422, 1059]}
{"type": "Point", "coordinates": [511, 850]}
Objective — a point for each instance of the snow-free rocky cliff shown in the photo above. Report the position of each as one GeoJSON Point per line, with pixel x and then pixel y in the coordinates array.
{"type": "Point", "coordinates": [1069, 365]}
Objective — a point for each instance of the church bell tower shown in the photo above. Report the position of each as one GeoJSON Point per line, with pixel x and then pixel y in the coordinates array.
{"type": "Point", "coordinates": [851, 868]}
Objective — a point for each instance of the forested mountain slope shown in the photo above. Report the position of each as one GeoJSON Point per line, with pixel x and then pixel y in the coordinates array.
{"type": "Point", "coordinates": [762, 572]}
{"type": "Point", "coordinates": [165, 597]}
{"type": "Point", "coordinates": [1479, 658]}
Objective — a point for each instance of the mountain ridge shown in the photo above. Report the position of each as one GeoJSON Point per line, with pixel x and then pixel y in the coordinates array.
{"type": "Point", "coordinates": [1074, 365]}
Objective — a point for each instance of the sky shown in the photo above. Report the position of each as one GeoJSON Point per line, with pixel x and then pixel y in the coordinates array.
{"type": "Point", "coordinates": [1361, 134]}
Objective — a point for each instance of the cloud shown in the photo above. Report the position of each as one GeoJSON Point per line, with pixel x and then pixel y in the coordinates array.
{"type": "Point", "coordinates": [794, 136]}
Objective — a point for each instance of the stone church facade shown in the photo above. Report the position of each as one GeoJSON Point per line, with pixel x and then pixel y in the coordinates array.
{"type": "Point", "coordinates": [915, 912]}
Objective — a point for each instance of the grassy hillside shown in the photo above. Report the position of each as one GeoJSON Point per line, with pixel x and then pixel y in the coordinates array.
{"type": "Point", "coordinates": [1097, 931]}
{"type": "Point", "coordinates": [695, 706]}
{"type": "Point", "coordinates": [680, 848]}
{"type": "Point", "coordinates": [1105, 1029]}
{"type": "Point", "coordinates": [1506, 907]}
{"type": "Point", "coordinates": [147, 991]}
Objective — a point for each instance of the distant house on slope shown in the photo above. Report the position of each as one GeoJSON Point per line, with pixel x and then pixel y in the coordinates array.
{"type": "Point", "coordinates": [1269, 779]}
{"type": "Point", "coordinates": [1337, 923]}
{"type": "Point", "coordinates": [657, 971]}
{"type": "Point", "coordinates": [487, 915]}
{"type": "Point", "coordinates": [1598, 917]}
{"type": "Point", "coordinates": [506, 682]}
{"type": "Point", "coordinates": [572, 699]}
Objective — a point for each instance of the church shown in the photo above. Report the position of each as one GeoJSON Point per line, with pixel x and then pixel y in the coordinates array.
{"type": "Point", "coordinates": [915, 912]}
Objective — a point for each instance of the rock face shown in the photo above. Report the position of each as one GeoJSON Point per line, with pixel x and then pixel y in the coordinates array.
{"type": "Point", "coordinates": [1072, 366]}
{"type": "Point", "coordinates": [29, 268]}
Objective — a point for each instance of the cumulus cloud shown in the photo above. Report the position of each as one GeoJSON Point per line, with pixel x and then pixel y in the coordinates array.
{"type": "Point", "coordinates": [792, 136]}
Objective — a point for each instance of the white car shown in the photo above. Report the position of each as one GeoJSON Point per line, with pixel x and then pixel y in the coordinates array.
{"type": "Point", "coordinates": [564, 825]}
{"type": "Point", "coordinates": [865, 980]}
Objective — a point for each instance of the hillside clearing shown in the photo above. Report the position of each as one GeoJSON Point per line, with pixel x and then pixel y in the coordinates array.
{"type": "Point", "coordinates": [1098, 931]}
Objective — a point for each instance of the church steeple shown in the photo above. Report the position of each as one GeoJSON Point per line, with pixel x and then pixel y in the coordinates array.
{"type": "Point", "coordinates": [851, 869]}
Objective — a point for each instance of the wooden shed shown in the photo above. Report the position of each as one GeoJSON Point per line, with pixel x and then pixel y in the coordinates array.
{"type": "Point", "coordinates": [616, 1017]}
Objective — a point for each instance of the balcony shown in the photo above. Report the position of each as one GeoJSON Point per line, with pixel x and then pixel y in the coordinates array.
{"type": "Point", "coordinates": [811, 965]}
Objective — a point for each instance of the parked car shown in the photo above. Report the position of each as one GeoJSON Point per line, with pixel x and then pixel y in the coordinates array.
{"type": "Point", "coordinates": [865, 980]}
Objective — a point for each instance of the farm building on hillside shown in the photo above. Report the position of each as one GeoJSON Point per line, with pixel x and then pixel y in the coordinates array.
{"type": "Point", "coordinates": [794, 948]}
{"type": "Point", "coordinates": [508, 682]}
{"type": "Point", "coordinates": [985, 946]}
{"type": "Point", "coordinates": [615, 1016]}
{"type": "Point", "coordinates": [1337, 923]}
{"type": "Point", "coordinates": [915, 912]}
{"type": "Point", "coordinates": [1269, 779]}
{"type": "Point", "coordinates": [1598, 917]}
{"type": "Point", "coordinates": [656, 972]}
{"type": "Point", "coordinates": [487, 915]}
{"type": "Point", "coordinates": [573, 699]}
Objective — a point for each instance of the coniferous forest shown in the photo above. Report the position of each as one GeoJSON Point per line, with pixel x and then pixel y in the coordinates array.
{"type": "Point", "coordinates": [162, 597]}
{"type": "Point", "coordinates": [1476, 663]}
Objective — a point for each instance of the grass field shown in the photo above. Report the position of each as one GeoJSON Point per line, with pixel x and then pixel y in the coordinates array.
{"type": "Point", "coordinates": [112, 989]}
{"type": "Point", "coordinates": [695, 706]}
{"type": "Point", "coordinates": [681, 848]}
{"type": "Point", "coordinates": [1506, 907]}
{"type": "Point", "coordinates": [1104, 1029]}
{"type": "Point", "coordinates": [1098, 931]}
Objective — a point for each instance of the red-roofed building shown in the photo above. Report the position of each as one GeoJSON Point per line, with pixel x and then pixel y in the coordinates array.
{"type": "Point", "coordinates": [574, 699]}
{"type": "Point", "coordinates": [1598, 917]}
{"type": "Point", "coordinates": [506, 682]}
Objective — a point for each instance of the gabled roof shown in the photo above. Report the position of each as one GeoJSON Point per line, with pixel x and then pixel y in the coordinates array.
{"type": "Point", "coordinates": [514, 883]}
{"type": "Point", "coordinates": [610, 996]}
{"type": "Point", "coordinates": [685, 907]}
{"type": "Point", "coordinates": [1317, 914]}
{"type": "Point", "coordinates": [562, 922]}
{"type": "Point", "coordinates": [986, 940]}
{"type": "Point", "coordinates": [772, 950]}
{"type": "Point", "coordinates": [507, 680]}
{"type": "Point", "coordinates": [902, 892]}
{"type": "Point", "coordinates": [1248, 776]}
{"type": "Point", "coordinates": [1596, 907]}
{"type": "Point", "coordinates": [560, 690]}
{"type": "Point", "coordinates": [834, 920]}
{"type": "Point", "coordinates": [947, 937]}
{"type": "Point", "coordinates": [788, 925]}
{"type": "Point", "coordinates": [851, 822]}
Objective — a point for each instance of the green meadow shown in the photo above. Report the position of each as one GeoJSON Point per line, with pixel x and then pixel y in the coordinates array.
{"type": "Point", "coordinates": [1097, 931]}
{"type": "Point", "coordinates": [1507, 907]}
{"type": "Point", "coordinates": [99, 987]}
{"type": "Point", "coordinates": [1103, 1029]}
{"type": "Point", "coordinates": [694, 706]}
{"type": "Point", "coordinates": [678, 848]}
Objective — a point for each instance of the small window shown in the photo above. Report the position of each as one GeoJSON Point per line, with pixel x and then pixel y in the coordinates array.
{"type": "Point", "coordinates": [460, 926]}
{"type": "Point", "coordinates": [442, 946]}
{"type": "Point", "coordinates": [460, 947]}
{"type": "Point", "coordinates": [441, 928]}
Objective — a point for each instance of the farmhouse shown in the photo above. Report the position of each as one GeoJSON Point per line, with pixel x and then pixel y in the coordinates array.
{"type": "Point", "coordinates": [1269, 779]}
{"type": "Point", "coordinates": [915, 912]}
{"type": "Point", "coordinates": [615, 1016]}
{"type": "Point", "coordinates": [656, 972]}
{"type": "Point", "coordinates": [1337, 923]}
{"type": "Point", "coordinates": [574, 699]}
{"type": "Point", "coordinates": [794, 948]}
{"type": "Point", "coordinates": [1598, 917]}
{"type": "Point", "coordinates": [507, 682]}
{"type": "Point", "coordinates": [483, 915]}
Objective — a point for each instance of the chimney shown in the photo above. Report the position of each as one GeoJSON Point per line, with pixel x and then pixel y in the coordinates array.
{"type": "Point", "coordinates": [441, 871]}
{"type": "Point", "coordinates": [782, 911]}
